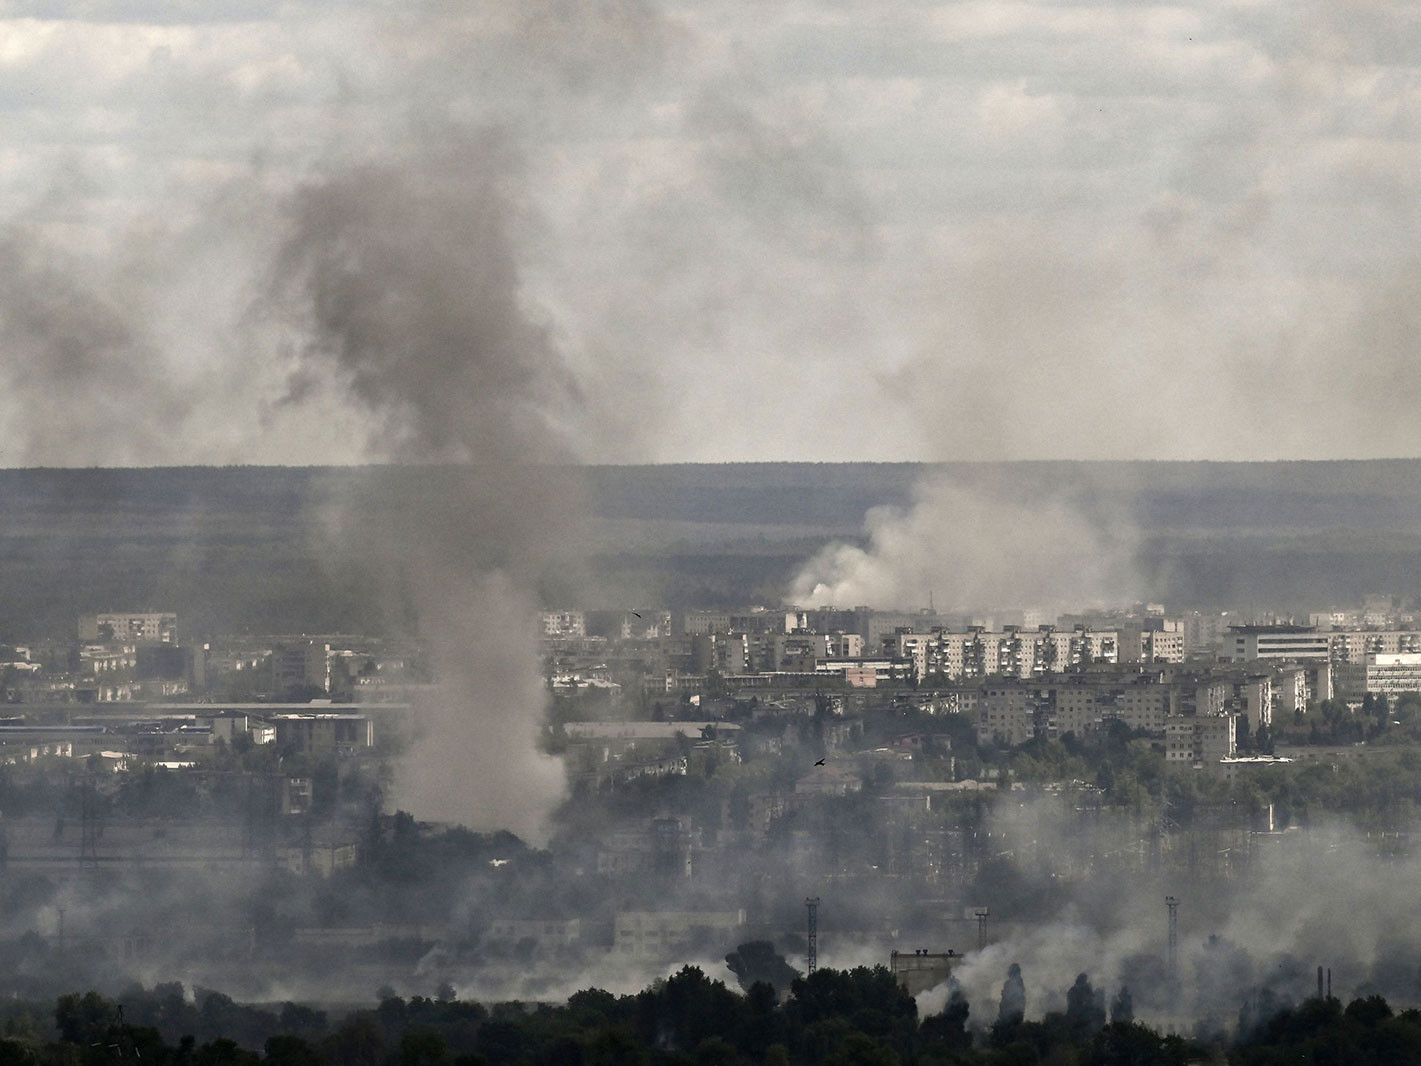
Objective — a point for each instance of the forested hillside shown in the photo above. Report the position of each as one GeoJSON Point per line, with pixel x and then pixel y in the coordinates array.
{"type": "Point", "coordinates": [257, 548]}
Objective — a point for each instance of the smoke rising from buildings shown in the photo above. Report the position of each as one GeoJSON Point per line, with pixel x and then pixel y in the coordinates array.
{"type": "Point", "coordinates": [1321, 895]}
{"type": "Point", "coordinates": [974, 547]}
{"type": "Point", "coordinates": [514, 236]}
{"type": "Point", "coordinates": [398, 285]}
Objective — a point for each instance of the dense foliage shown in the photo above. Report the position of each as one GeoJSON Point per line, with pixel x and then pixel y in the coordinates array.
{"type": "Point", "coordinates": [857, 1017]}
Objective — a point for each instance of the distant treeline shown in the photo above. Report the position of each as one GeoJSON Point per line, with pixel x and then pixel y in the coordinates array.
{"type": "Point", "coordinates": [252, 548]}
{"type": "Point", "coordinates": [858, 1017]}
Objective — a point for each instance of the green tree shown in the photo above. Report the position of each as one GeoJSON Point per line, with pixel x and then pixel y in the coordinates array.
{"type": "Point", "coordinates": [1122, 1007]}
{"type": "Point", "coordinates": [1085, 1008]}
{"type": "Point", "coordinates": [357, 1042]}
{"type": "Point", "coordinates": [422, 1047]}
{"type": "Point", "coordinates": [758, 961]}
{"type": "Point", "coordinates": [84, 1019]}
{"type": "Point", "coordinates": [287, 1050]}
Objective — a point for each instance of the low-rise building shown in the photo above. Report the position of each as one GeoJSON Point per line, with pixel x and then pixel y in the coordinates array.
{"type": "Point", "coordinates": [547, 934]}
{"type": "Point", "coordinates": [319, 858]}
{"type": "Point", "coordinates": [671, 934]}
{"type": "Point", "coordinates": [829, 781]}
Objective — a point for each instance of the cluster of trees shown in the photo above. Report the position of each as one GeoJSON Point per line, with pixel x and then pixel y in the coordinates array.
{"type": "Point", "coordinates": [859, 1017]}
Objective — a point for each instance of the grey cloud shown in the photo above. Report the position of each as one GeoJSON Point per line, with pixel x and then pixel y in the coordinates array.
{"type": "Point", "coordinates": [726, 195]}
{"type": "Point", "coordinates": [150, 12]}
{"type": "Point", "coordinates": [84, 381]}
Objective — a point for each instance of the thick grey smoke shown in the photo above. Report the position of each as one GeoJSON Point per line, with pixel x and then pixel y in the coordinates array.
{"type": "Point", "coordinates": [1110, 232]}
{"type": "Point", "coordinates": [70, 343]}
{"type": "Point", "coordinates": [401, 278]}
{"type": "Point", "coordinates": [973, 547]}
{"type": "Point", "coordinates": [399, 287]}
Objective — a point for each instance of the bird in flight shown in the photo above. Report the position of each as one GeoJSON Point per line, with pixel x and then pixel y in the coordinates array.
{"type": "Point", "coordinates": [819, 763]}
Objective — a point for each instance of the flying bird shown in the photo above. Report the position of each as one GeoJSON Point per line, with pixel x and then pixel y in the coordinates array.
{"type": "Point", "coordinates": [637, 613]}
{"type": "Point", "coordinates": [819, 763]}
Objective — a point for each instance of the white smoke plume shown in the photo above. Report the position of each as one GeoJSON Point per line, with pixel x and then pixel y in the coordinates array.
{"type": "Point", "coordinates": [971, 547]}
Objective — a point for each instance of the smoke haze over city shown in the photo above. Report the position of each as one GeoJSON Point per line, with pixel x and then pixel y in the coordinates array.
{"type": "Point", "coordinates": [501, 498]}
{"type": "Point", "coordinates": [955, 231]}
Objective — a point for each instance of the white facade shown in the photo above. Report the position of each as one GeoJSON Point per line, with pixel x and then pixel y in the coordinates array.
{"type": "Point", "coordinates": [1250, 643]}
{"type": "Point", "coordinates": [1381, 675]}
{"type": "Point", "coordinates": [1353, 646]}
{"type": "Point", "coordinates": [1012, 652]}
{"type": "Point", "coordinates": [149, 627]}
{"type": "Point", "coordinates": [563, 624]}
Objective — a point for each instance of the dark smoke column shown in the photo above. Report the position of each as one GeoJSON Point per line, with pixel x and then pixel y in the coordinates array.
{"type": "Point", "coordinates": [399, 283]}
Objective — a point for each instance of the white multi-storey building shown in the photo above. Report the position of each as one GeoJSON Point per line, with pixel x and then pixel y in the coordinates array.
{"type": "Point", "coordinates": [144, 627]}
{"type": "Point", "coordinates": [1012, 652]}
{"type": "Point", "coordinates": [1250, 643]}
{"type": "Point", "coordinates": [1353, 646]}
{"type": "Point", "coordinates": [1380, 675]}
{"type": "Point", "coordinates": [570, 625]}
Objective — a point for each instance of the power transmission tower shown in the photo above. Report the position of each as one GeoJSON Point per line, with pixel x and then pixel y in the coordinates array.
{"type": "Point", "coordinates": [981, 915]}
{"type": "Point", "coordinates": [811, 957]}
{"type": "Point", "coordinates": [1172, 958]}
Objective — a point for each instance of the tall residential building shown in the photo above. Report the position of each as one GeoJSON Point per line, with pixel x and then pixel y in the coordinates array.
{"type": "Point", "coordinates": [303, 665]}
{"type": "Point", "coordinates": [1013, 652]}
{"type": "Point", "coordinates": [1379, 674]}
{"type": "Point", "coordinates": [1354, 645]}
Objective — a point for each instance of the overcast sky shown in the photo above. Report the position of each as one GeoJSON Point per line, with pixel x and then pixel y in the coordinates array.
{"type": "Point", "coordinates": [708, 231]}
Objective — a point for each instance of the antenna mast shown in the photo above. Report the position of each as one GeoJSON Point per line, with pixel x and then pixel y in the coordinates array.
{"type": "Point", "coordinates": [811, 957]}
